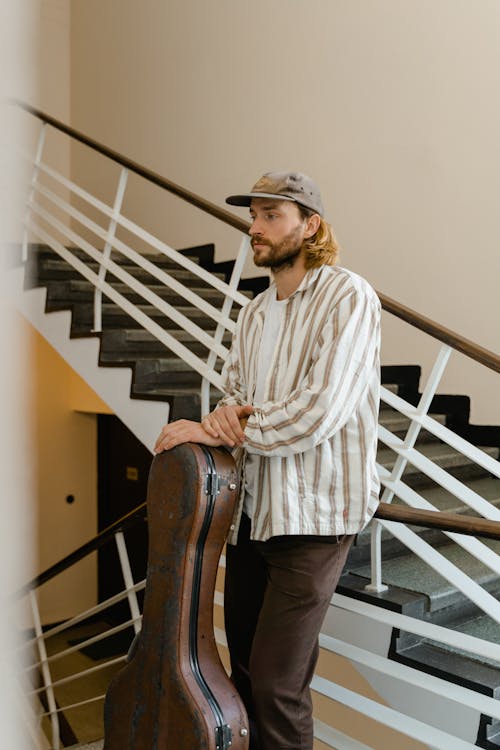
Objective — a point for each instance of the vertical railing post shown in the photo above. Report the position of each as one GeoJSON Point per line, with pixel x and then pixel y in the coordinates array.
{"type": "Point", "coordinates": [47, 680]}
{"type": "Point", "coordinates": [117, 207]}
{"type": "Point", "coordinates": [376, 584]}
{"type": "Point", "coordinates": [234, 281]}
{"type": "Point", "coordinates": [423, 407]}
{"type": "Point", "coordinates": [401, 462]}
{"type": "Point", "coordinates": [128, 580]}
{"type": "Point", "coordinates": [34, 179]}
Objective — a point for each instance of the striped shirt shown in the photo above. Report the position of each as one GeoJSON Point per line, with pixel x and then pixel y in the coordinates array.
{"type": "Point", "coordinates": [315, 433]}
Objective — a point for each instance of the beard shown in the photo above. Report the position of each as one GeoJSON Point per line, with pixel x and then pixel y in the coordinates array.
{"type": "Point", "coordinates": [280, 254]}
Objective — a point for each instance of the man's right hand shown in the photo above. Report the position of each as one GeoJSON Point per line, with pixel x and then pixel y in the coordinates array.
{"type": "Point", "coordinates": [227, 423]}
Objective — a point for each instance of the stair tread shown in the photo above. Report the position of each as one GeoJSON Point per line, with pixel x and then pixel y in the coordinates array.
{"type": "Point", "coordinates": [82, 285]}
{"type": "Point", "coordinates": [440, 453]}
{"type": "Point", "coordinates": [414, 574]}
{"type": "Point", "coordinates": [483, 627]}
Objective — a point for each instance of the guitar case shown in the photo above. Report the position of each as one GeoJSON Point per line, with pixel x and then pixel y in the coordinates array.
{"type": "Point", "coordinates": [174, 693]}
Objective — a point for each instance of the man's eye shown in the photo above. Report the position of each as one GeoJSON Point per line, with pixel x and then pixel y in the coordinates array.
{"type": "Point", "coordinates": [272, 216]}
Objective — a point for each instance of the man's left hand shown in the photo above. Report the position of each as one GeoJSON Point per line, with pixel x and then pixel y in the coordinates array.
{"type": "Point", "coordinates": [183, 431]}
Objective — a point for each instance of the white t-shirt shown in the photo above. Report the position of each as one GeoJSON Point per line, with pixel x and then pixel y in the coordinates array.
{"type": "Point", "coordinates": [272, 325]}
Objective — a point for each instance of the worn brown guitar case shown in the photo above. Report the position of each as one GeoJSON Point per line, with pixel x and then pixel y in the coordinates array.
{"type": "Point", "coordinates": [174, 693]}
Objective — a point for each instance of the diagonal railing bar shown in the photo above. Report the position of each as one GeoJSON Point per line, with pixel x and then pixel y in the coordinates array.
{"type": "Point", "coordinates": [80, 675]}
{"type": "Point", "coordinates": [87, 614]}
{"type": "Point", "coordinates": [441, 476]}
{"type": "Point", "coordinates": [453, 638]}
{"type": "Point", "coordinates": [221, 317]}
{"type": "Point", "coordinates": [436, 739]}
{"type": "Point", "coordinates": [454, 526]}
{"type": "Point", "coordinates": [174, 255]}
{"type": "Point", "coordinates": [156, 301]}
{"type": "Point", "coordinates": [400, 672]}
{"type": "Point", "coordinates": [71, 706]}
{"type": "Point", "coordinates": [170, 342]}
{"type": "Point", "coordinates": [444, 568]}
{"type": "Point", "coordinates": [477, 455]}
{"type": "Point", "coordinates": [83, 644]}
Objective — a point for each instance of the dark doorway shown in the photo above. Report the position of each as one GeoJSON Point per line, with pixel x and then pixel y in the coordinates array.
{"type": "Point", "coordinates": [123, 468]}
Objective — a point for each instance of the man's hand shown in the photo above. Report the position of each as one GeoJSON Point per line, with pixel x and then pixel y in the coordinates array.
{"type": "Point", "coordinates": [227, 424]}
{"type": "Point", "coordinates": [183, 431]}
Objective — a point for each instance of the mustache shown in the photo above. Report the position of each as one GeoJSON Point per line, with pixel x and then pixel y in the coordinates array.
{"type": "Point", "coordinates": [260, 241]}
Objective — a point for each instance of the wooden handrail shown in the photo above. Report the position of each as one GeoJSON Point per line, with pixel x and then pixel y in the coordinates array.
{"type": "Point", "coordinates": [432, 519]}
{"type": "Point", "coordinates": [210, 208]}
{"type": "Point", "coordinates": [453, 522]}
{"type": "Point", "coordinates": [486, 357]}
{"type": "Point", "coordinates": [446, 335]}
{"type": "Point", "coordinates": [126, 522]}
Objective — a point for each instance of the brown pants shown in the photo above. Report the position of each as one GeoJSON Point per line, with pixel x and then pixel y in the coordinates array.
{"type": "Point", "coordinates": [276, 597]}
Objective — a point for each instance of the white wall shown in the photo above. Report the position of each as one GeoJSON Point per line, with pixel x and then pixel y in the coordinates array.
{"type": "Point", "coordinates": [392, 106]}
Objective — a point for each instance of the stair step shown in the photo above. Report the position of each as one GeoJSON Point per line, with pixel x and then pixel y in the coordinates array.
{"type": "Point", "coordinates": [412, 573]}
{"type": "Point", "coordinates": [398, 424]}
{"type": "Point", "coordinates": [125, 345]}
{"type": "Point", "coordinates": [53, 270]}
{"type": "Point", "coordinates": [113, 317]}
{"type": "Point", "coordinates": [197, 253]}
{"type": "Point", "coordinates": [81, 290]}
{"type": "Point", "coordinates": [443, 456]}
{"type": "Point", "coordinates": [481, 626]}
{"type": "Point", "coordinates": [97, 745]}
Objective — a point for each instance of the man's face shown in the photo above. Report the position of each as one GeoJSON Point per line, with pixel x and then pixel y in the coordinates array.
{"type": "Point", "coordinates": [277, 232]}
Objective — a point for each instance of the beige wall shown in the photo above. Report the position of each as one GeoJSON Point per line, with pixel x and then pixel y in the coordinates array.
{"type": "Point", "coordinates": [65, 436]}
{"type": "Point", "coordinates": [392, 107]}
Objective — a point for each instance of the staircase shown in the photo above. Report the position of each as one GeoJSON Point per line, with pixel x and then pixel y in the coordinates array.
{"type": "Point", "coordinates": [414, 589]}
{"type": "Point", "coordinates": [159, 375]}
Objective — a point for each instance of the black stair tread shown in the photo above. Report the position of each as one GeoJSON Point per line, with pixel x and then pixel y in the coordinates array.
{"type": "Point", "coordinates": [414, 574]}
{"type": "Point", "coordinates": [114, 317]}
{"type": "Point", "coordinates": [59, 269]}
{"type": "Point", "coordinates": [121, 346]}
{"type": "Point", "coordinates": [151, 310]}
{"type": "Point", "coordinates": [86, 289]}
{"type": "Point", "coordinates": [195, 253]}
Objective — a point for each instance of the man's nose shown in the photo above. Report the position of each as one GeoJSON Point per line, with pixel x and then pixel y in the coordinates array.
{"type": "Point", "coordinates": [255, 227]}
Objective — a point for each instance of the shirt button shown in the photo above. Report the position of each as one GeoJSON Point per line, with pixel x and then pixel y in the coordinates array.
{"type": "Point", "coordinates": [232, 527]}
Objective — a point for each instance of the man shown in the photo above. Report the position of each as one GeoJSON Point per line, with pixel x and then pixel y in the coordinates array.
{"type": "Point", "coordinates": [300, 410]}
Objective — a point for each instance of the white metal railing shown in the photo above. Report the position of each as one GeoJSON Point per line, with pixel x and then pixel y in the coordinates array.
{"type": "Point", "coordinates": [43, 666]}
{"type": "Point", "coordinates": [45, 207]}
{"type": "Point", "coordinates": [43, 224]}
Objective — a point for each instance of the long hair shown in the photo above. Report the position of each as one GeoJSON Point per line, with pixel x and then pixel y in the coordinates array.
{"type": "Point", "coordinates": [322, 248]}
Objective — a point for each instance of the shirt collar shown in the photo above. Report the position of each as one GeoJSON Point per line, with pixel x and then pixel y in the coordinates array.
{"type": "Point", "coordinates": [309, 279]}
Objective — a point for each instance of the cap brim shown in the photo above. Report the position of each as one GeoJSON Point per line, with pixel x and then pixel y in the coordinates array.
{"type": "Point", "coordinates": [245, 200]}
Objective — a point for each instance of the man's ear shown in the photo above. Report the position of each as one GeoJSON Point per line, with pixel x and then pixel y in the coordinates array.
{"type": "Point", "coordinates": [312, 226]}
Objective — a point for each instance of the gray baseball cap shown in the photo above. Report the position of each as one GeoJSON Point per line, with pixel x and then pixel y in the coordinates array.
{"type": "Point", "coordinates": [288, 186]}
